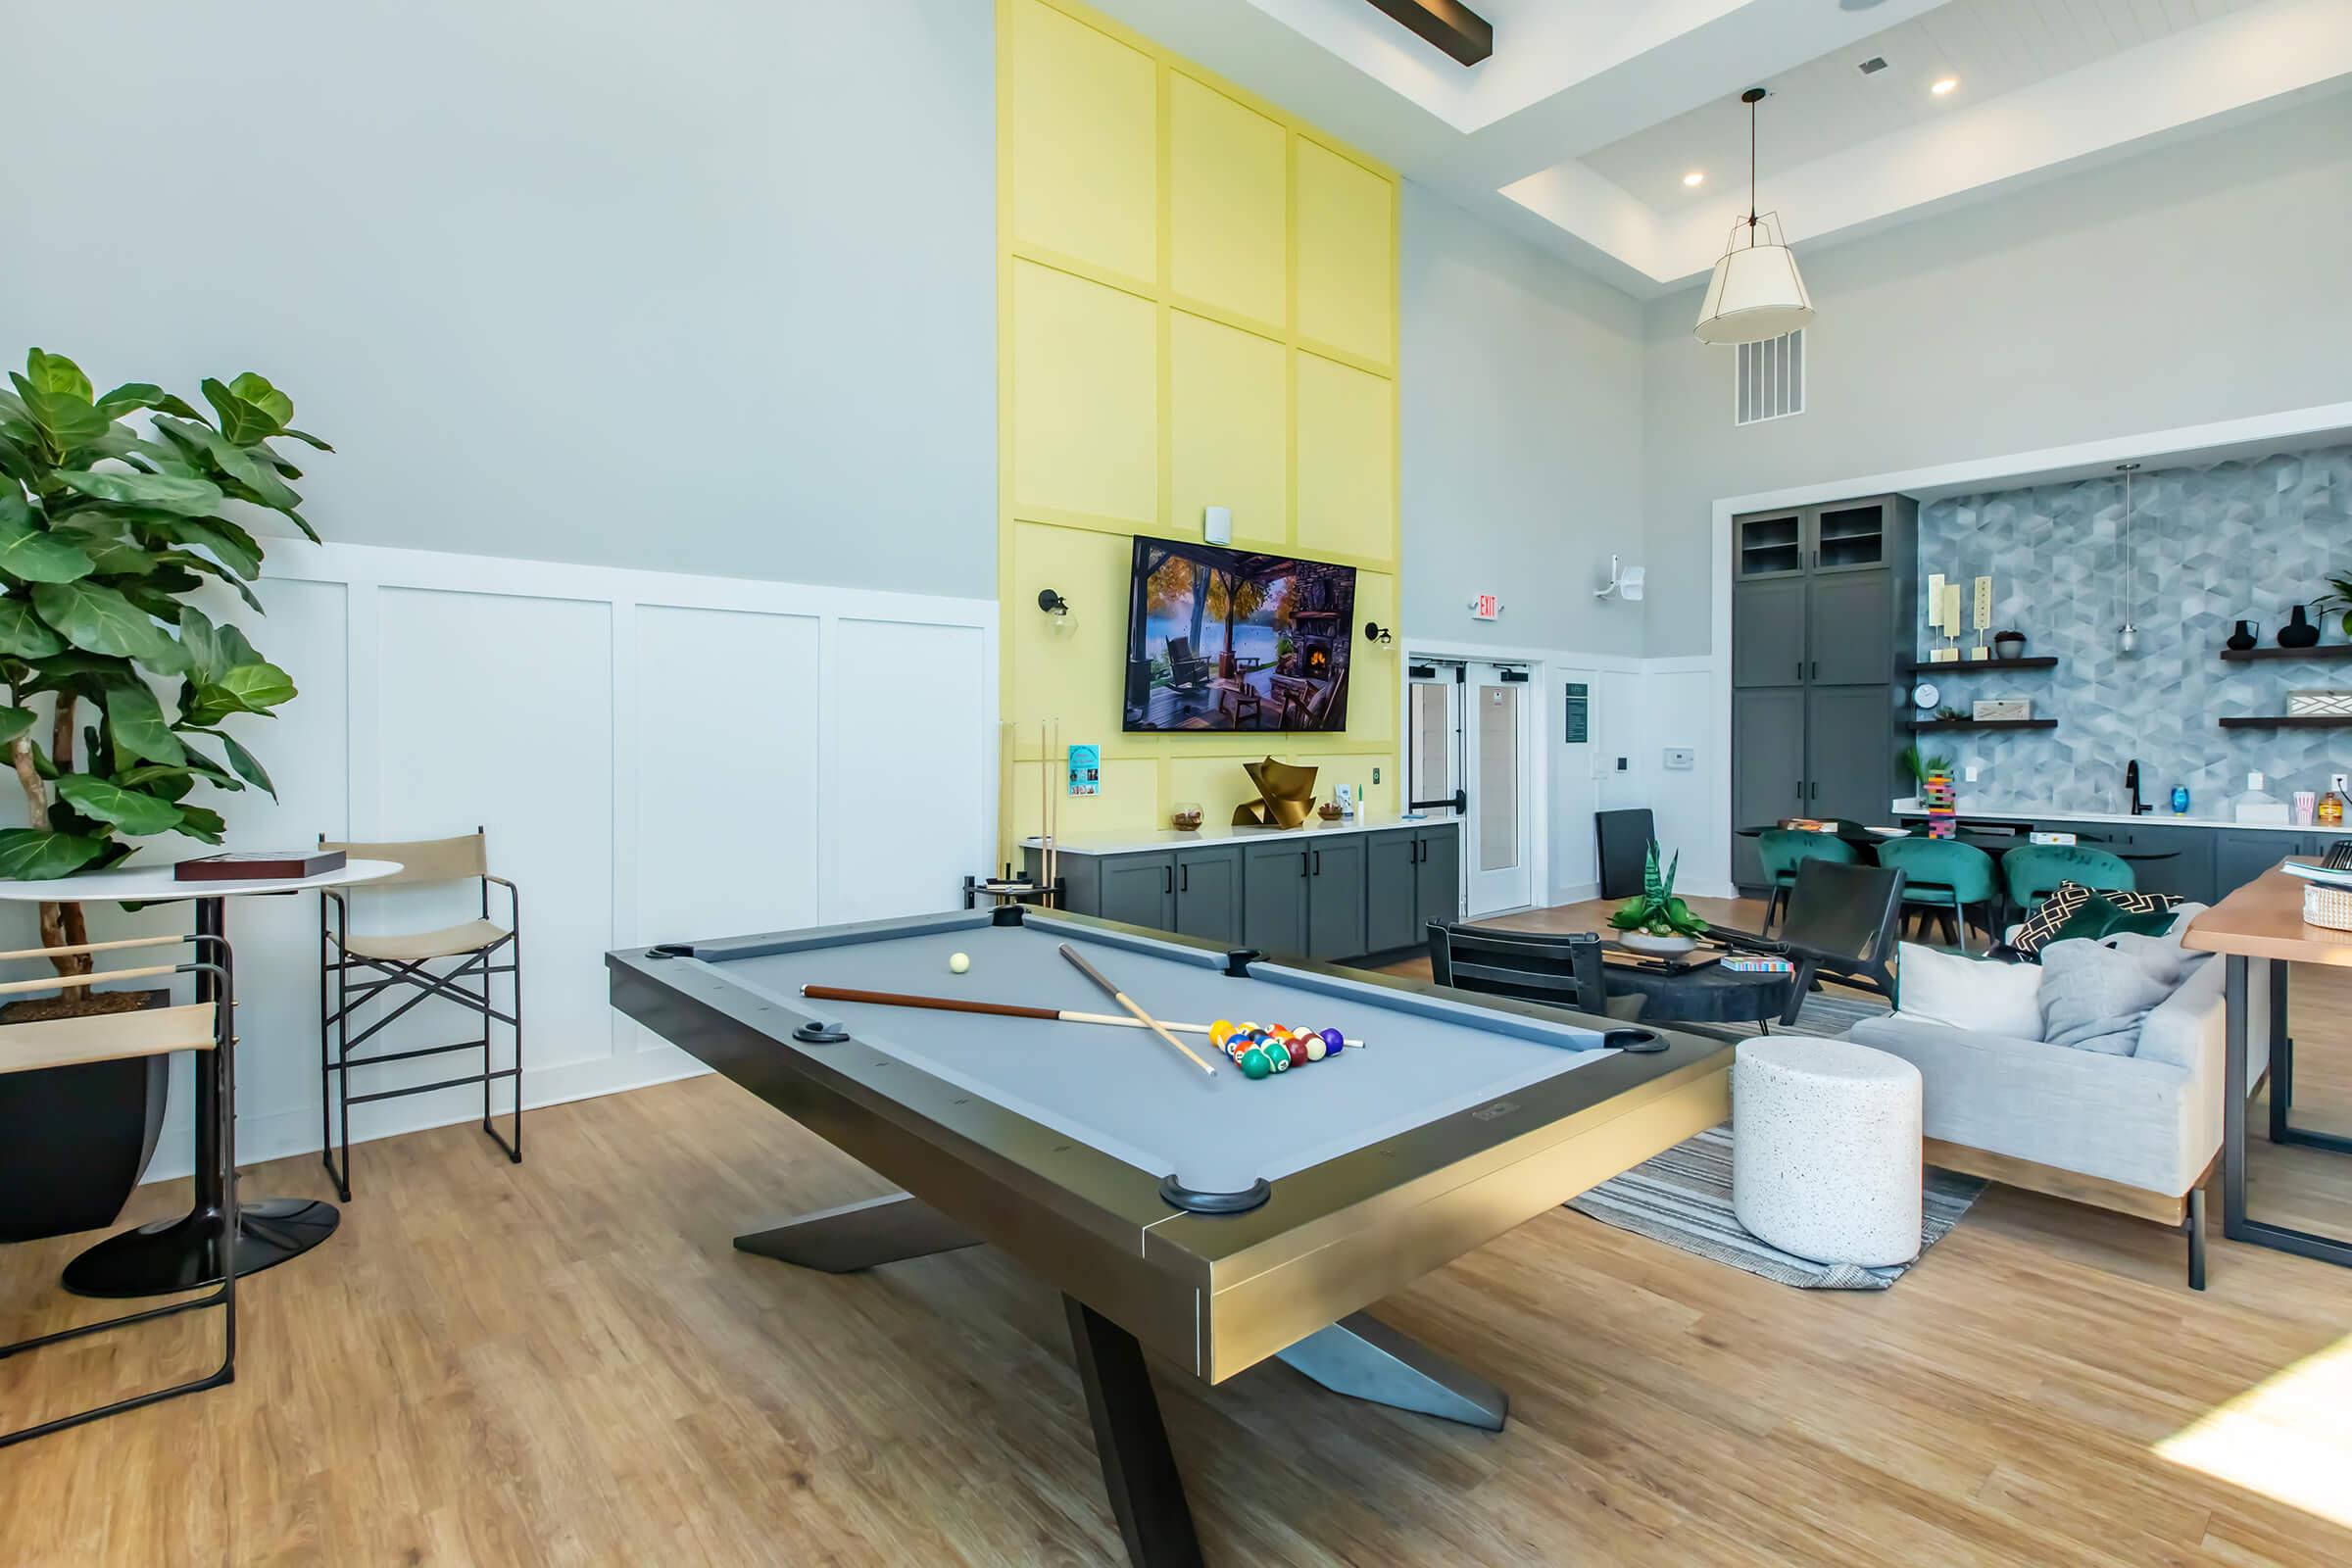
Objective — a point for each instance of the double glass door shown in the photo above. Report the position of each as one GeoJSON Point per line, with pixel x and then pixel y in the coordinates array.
{"type": "Point", "coordinates": [1468, 753]}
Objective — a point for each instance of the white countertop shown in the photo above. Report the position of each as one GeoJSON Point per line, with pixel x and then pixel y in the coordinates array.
{"type": "Point", "coordinates": [1139, 843]}
{"type": "Point", "coordinates": [2160, 817]}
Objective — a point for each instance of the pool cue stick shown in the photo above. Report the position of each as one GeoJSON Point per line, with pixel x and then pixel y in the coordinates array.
{"type": "Point", "coordinates": [1004, 1009]}
{"type": "Point", "coordinates": [1125, 1001]}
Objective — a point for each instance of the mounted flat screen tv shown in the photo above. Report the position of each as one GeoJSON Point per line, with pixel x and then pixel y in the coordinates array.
{"type": "Point", "coordinates": [1232, 640]}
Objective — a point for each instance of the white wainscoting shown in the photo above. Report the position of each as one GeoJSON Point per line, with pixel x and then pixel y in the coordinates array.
{"type": "Point", "coordinates": [655, 758]}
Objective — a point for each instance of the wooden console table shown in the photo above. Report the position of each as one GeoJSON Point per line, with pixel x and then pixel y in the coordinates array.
{"type": "Point", "coordinates": [2264, 919]}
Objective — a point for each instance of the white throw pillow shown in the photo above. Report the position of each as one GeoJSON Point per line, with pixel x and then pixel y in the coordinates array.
{"type": "Point", "coordinates": [1980, 994]}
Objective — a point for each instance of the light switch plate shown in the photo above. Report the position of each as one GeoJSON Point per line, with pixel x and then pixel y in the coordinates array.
{"type": "Point", "coordinates": [1680, 756]}
{"type": "Point", "coordinates": [1969, 773]}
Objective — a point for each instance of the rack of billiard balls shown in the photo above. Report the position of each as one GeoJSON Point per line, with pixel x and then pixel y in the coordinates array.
{"type": "Point", "coordinates": [1261, 1051]}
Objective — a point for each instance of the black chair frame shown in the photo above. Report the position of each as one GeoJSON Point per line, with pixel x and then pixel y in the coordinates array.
{"type": "Point", "coordinates": [222, 968]}
{"type": "Point", "coordinates": [1558, 970]}
{"type": "Point", "coordinates": [336, 1042]}
{"type": "Point", "coordinates": [1850, 941]}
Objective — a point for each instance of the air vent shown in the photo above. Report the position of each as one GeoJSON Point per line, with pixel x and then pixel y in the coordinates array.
{"type": "Point", "coordinates": [1770, 379]}
{"type": "Point", "coordinates": [1873, 66]}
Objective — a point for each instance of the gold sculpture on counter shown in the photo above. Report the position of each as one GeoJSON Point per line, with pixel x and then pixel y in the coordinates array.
{"type": "Point", "coordinates": [1286, 794]}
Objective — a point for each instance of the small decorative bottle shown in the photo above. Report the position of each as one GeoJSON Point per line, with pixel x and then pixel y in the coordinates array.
{"type": "Point", "coordinates": [2332, 803]}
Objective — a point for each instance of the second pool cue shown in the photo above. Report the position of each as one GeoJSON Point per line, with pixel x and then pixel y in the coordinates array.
{"type": "Point", "coordinates": [1128, 1002]}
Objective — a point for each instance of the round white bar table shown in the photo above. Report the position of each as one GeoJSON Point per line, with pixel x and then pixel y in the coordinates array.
{"type": "Point", "coordinates": [181, 1254]}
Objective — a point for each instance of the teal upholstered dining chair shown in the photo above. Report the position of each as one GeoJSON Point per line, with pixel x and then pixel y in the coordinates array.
{"type": "Point", "coordinates": [1784, 850]}
{"type": "Point", "coordinates": [1946, 878]}
{"type": "Point", "coordinates": [2032, 870]}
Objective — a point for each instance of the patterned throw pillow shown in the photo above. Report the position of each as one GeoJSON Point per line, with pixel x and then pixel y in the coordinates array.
{"type": "Point", "coordinates": [2068, 900]}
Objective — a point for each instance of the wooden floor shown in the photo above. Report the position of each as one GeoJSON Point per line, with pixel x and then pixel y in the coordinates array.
{"type": "Point", "coordinates": [566, 1362]}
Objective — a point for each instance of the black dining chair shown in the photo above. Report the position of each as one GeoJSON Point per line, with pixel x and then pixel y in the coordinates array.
{"type": "Point", "coordinates": [1842, 925]}
{"type": "Point", "coordinates": [1562, 969]}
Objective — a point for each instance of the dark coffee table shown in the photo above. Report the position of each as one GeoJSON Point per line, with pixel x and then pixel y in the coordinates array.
{"type": "Point", "coordinates": [1710, 993]}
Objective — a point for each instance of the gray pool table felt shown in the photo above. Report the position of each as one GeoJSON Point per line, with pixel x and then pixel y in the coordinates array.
{"type": "Point", "coordinates": [1124, 1092]}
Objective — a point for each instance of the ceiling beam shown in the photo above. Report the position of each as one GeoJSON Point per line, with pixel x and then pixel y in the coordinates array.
{"type": "Point", "coordinates": [1453, 28]}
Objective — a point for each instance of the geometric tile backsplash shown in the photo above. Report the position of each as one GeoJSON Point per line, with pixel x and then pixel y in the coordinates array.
{"type": "Point", "coordinates": [2208, 547]}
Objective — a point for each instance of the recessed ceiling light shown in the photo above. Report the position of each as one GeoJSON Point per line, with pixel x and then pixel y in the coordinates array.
{"type": "Point", "coordinates": [1944, 84]}
{"type": "Point", "coordinates": [1695, 177]}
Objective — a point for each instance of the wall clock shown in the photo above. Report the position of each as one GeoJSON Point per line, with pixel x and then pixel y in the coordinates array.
{"type": "Point", "coordinates": [1925, 697]}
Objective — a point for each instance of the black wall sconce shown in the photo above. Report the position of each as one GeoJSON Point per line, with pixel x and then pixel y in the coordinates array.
{"type": "Point", "coordinates": [1375, 632]}
{"type": "Point", "coordinates": [1051, 602]}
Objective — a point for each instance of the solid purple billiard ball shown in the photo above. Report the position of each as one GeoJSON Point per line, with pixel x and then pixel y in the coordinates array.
{"type": "Point", "coordinates": [1334, 1042]}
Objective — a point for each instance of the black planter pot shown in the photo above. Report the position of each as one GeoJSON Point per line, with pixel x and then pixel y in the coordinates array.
{"type": "Point", "coordinates": [2008, 645]}
{"type": "Point", "coordinates": [2298, 632]}
{"type": "Point", "coordinates": [2242, 638]}
{"type": "Point", "coordinates": [74, 1141]}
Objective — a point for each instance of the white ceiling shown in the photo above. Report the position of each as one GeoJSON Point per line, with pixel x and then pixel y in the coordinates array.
{"type": "Point", "coordinates": [1989, 47]}
{"type": "Point", "coordinates": [1577, 133]}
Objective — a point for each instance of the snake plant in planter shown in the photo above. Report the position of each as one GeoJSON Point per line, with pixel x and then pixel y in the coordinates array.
{"type": "Point", "coordinates": [1655, 920]}
{"type": "Point", "coordinates": [107, 533]}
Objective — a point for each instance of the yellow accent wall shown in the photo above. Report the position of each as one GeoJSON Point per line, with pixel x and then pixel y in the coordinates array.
{"type": "Point", "coordinates": [1197, 305]}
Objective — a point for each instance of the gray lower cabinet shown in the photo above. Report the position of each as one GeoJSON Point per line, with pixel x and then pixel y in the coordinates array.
{"type": "Point", "coordinates": [1274, 879]}
{"type": "Point", "coordinates": [2187, 872]}
{"type": "Point", "coordinates": [1208, 894]}
{"type": "Point", "coordinates": [1768, 735]}
{"type": "Point", "coordinates": [1849, 752]}
{"type": "Point", "coordinates": [1438, 886]}
{"type": "Point", "coordinates": [2241, 856]}
{"type": "Point", "coordinates": [1392, 894]}
{"type": "Point", "coordinates": [1335, 899]}
{"type": "Point", "coordinates": [1140, 890]}
{"type": "Point", "coordinates": [1321, 896]}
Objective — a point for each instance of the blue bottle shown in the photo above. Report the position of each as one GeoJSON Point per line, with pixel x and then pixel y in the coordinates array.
{"type": "Point", "coordinates": [2179, 800]}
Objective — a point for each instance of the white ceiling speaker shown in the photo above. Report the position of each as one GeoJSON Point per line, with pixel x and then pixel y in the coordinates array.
{"type": "Point", "coordinates": [1756, 292]}
{"type": "Point", "coordinates": [1625, 582]}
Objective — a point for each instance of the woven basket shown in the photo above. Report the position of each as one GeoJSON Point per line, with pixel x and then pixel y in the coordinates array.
{"type": "Point", "coordinates": [2327, 907]}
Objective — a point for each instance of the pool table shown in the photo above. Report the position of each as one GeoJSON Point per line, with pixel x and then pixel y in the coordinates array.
{"type": "Point", "coordinates": [1215, 1220]}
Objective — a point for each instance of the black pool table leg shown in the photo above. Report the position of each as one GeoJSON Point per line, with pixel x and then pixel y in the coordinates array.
{"type": "Point", "coordinates": [1139, 1469]}
{"type": "Point", "coordinates": [859, 1236]}
{"type": "Point", "coordinates": [1361, 1357]}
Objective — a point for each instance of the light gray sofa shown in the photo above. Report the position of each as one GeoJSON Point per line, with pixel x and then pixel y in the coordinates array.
{"type": "Point", "coordinates": [2138, 1134]}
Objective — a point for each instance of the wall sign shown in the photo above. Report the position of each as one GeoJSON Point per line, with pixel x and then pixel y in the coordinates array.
{"type": "Point", "coordinates": [1578, 706]}
{"type": "Point", "coordinates": [1486, 607]}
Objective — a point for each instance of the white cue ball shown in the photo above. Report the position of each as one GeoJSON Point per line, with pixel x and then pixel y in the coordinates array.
{"type": "Point", "coordinates": [958, 963]}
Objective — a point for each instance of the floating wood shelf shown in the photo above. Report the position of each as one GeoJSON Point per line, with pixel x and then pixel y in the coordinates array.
{"type": "Point", "coordinates": [1990, 723]}
{"type": "Point", "coordinates": [2288, 721]}
{"type": "Point", "coordinates": [2331, 654]}
{"type": "Point", "coordinates": [1969, 666]}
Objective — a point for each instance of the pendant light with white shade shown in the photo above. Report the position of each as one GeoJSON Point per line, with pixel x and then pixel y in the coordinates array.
{"type": "Point", "coordinates": [1756, 292]}
{"type": "Point", "coordinates": [2127, 637]}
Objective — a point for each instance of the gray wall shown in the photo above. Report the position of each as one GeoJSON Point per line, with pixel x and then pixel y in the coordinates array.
{"type": "Point", "coordinates": [2202, 282]}
{"type": "Point", "coordinates": [2204, 548]}
{"type": "Point", "coordinates": [704, 286]}
{"type": "Point", "coordinates": [1523, 436]}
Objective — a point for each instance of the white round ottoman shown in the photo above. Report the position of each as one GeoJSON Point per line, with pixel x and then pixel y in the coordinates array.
{"type": "Point", "coordinates": [1825, 1149]}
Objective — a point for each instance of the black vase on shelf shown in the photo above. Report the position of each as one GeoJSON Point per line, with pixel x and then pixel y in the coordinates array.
{"type": "Point", "coordinates": [2009, 645]}
{"type": "Point", "coordinates": [2298, 632]}
{"type": "Point", "coordinates": [2243, 637]}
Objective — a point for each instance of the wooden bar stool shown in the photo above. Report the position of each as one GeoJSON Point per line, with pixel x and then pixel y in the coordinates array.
{"type": "Point", "coordinates": [399, 962]}
{"type": "Point", "coordinates": [205, 1028]}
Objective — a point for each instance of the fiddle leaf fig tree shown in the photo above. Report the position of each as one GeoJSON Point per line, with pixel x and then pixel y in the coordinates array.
{"type": "Point", "coordinates": [107, 532]}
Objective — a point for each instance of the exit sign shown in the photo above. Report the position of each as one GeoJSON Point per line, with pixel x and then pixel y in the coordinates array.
{"type": "Point", "coordinates": [1486, 607]}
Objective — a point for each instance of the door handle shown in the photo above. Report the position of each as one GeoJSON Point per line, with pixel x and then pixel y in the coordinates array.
{"type": "Point", "coordinates": [1318, 854]}
{"type": "Point", "coordinates": [1185, 883]}
{"type": "Point", "coordinates": [1817, 669]}
{"type": "Point", "coordinates": [1302, 865]}
{"type": "Point", "coordinates": [1813, 791]}
{"type": "Point", "coordinates": [1168, 872]}
{"type": "Point", "coordinates": [1800, 669]}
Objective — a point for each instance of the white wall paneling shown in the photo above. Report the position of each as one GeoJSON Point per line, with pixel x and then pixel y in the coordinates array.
{"type": "Point", "coordinates": [654, 757]}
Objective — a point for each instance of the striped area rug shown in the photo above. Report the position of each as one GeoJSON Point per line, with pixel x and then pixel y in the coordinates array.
{"type": "Point", "coordinates": [1684, 1199]}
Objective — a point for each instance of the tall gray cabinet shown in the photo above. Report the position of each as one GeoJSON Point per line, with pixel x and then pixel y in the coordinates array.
{"type": "Point", "coordinates": [1824, 622]}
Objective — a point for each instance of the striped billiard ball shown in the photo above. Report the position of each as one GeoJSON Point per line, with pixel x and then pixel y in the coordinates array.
{"type": "Point", "coordinates": [1278, 1055]}
{"type": "Point", "coordinates": [1316, 1050]}
{"type": "Point", "coordinates": [1255, 1063]}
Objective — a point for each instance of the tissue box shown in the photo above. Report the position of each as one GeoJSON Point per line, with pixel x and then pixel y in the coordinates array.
{"type": "Point", "coordinates": [2271, 811]}
{"type": "Point", "coordinates": [2002, 709]}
